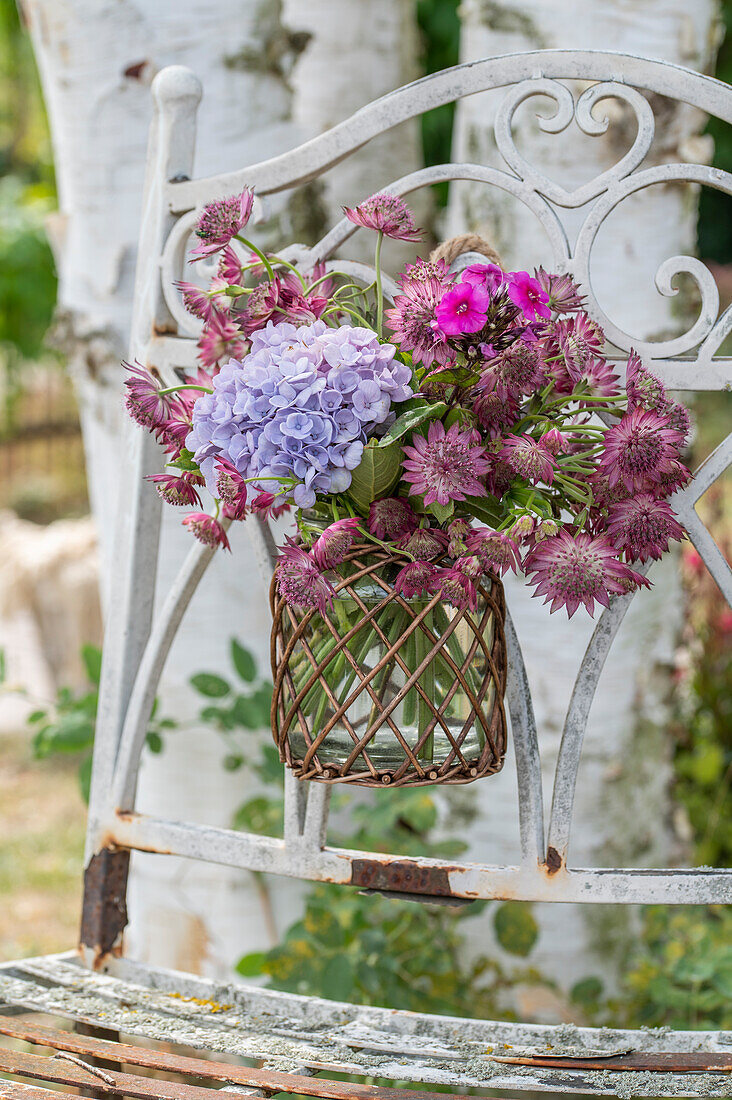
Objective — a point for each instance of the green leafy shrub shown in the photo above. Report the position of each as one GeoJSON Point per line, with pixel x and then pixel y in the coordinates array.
{"type": "Point", "coordinates": [68, 726]}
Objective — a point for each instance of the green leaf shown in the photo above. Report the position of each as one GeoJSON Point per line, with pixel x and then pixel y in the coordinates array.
{"type": "Point", "coordinates": [91, 655]}
{"type": "Point", "coordinates": [210, 685]}
{"type": "Point", "coordinates": [412, 417]}
{"type": "Point", "coordinates": [441, 512]}
{"type": "Point", "coordinates": [376, 474]}
{"type": "Point", "coordinates": [3, 666]}
{"type": "Point", "coordinates": [154, 741]}
{"type": "Point", "coordinates": [515, 927]}
{"type": "Point", "coordinates": [243, 661]}
{"type": "Point", "coordinates": [249, 966]}
{"type": "Point", "coordinates": [487, 509]}
{"type": "Point", "coordinates": [232, 762]}
{"type": "Point", "coordinates": [185, 461]}
{"type": "Point", "coordinates": [36, 716]}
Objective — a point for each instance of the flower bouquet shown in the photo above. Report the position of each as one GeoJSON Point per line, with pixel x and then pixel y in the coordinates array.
{"type": "Point", "coordinates": [472, 427]}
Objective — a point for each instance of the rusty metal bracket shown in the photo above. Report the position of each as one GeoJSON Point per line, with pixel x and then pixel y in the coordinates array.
{"type": "Point", "coordinates": [104, 911]}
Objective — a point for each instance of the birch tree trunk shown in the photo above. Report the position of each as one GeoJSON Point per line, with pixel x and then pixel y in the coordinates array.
{"type": "Point", "coordinates": [623, 812]}
{"type": "Point", "coordinates": [97, 59]}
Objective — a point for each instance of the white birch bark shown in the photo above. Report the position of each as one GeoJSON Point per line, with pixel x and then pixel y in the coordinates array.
{"type": "Point", "coordinates": [97, 59]}
{"type": "Point", "coordinates": [622, 814]}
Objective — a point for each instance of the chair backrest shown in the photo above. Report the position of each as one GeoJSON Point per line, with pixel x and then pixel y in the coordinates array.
{"type": "Point", "coordinates": [164, 337]}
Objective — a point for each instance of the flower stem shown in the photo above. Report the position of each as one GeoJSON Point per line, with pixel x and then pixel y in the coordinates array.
{"type": "Point", "coordinates": [187, 386]}
{"type": "Point", "coordinates": [379, 287]}
{"type": "Point", "coordinates": [257, 252]}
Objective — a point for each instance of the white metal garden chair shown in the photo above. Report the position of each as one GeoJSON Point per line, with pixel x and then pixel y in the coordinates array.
{"type": "Point", "coordinates": [301, 1044]}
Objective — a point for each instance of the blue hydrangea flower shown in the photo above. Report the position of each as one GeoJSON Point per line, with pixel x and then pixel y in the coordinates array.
{"type": "Point", "coordinates": [300, 406]}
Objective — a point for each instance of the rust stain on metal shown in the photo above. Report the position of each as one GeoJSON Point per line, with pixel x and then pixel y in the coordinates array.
{"type": "Point", "coordinates": [553, 860]}
{"type": "Point", "coordinates": [104, 912]}
{"type": "Point", "coordinates": [401, 876]}
{"type": "Point", "coordinates": [630, 1062]}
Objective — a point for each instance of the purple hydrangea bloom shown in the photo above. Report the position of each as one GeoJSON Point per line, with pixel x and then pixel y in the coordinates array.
{"type": "Point", "coordinates": [299, 408]}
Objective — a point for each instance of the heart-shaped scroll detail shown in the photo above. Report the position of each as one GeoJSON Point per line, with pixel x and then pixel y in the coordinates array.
{"type": "Point", "coordinates": [560, 120]}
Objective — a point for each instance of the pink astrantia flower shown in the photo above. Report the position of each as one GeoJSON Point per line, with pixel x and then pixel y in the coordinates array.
{"type": "Point", "coordinates": [457, 533]}
{"type": "Point", "coordinates": [463, 309]}
{"type": "Point", "coordinates": [414, 579]}
{"type": "Point", "coordinates": [300, 580]}
{"type": "Point", "coordinates": [494, 412]}
{"type": "Point", "coordinates": [446, 465]}
{"type": "Point", "coordinates": [426, 543]}
{"type": "Point", "coordinates": [488, 277]}
{"type": "Point", "coordinates": [640, 450]}
{"type": "Point", "coordinates": [455, 588]}
{"type": "Point", "coordinates": [495, 550]}
{"type": "Point", "coordinates": [391, 518]}
{"type": "Point", "coordinates": [642, 387]}
{"type": "Point", "coordinates": [231, 488]}
{"type": "Point", "coordinates": [529, 458]}
{"type": "Point", "coordinates": [179, 491]}
{"type": "Point", "coordinates": [206, 529]}
{"type": "Point", "coordinates": [595, 377]}
{"type": "Point", "coordinates": [569, 570]}
{"type": "Point", "coordinates": [527, 294]}
{"type": "Point", "coordinates": [518, 371]}
{"type": "Point", "coordinates": [334, 543]}
{"type": "Point", "coordinates": [580, 340]}
{"type": "Point", "coordinates": [388, 214]}
{"type": "Point", "coordinates": [642, 527]}
{"type": "Point", "coordinates": [269, 506]}
{"type": "Point", "coordinates": [221, 337]}
{"type": "Point", "coordinates": [554, 441]}
{"type": "Point", "coordinates": [412, 319]}
{"type": "Point", "coordinates": [230, 268]}
{"type": "Point", "coordinates": [221, 220]}
{"type": "Point", "coordinates": [197, 301]}
{"type": "Point", "coordinates": [145, 402]}
{"type": "Point", "coordinates": [561, 291]}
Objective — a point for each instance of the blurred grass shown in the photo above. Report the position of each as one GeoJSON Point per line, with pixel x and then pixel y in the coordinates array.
{"type": "Point", "coordinates": [41, 852]}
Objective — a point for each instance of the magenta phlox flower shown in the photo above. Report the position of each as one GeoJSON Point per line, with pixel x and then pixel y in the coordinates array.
{"type": "Point", "coordinates": [518, 371]}
{"type": "Point", "coordinates": [488, 277]}
{"type": "Point", "coordinates": [463, 309]}
{"type": "Point", "coordinates": [642, 527]}
{"type": "Point", "coordinates": [495, 550]}
{"type": "Point", "coordinates": [640, 451]}
{"type": "Point", "coordinates": [387, 214]}
{"type": "Point", "coordinates": [178, 490]}
{"type": "Point", "coordinates": [300, 580]}
{"type": "Point", "coordinates": [455, 588]}
{"type": "Point", "coordinates": [527, 293]}
{"type": "Point", "coordinates": [573, 569]}
{"type": "Point", "coordinates": [331, 547]}
{"type": "Point", "coordinates": [561, 290]}
{"type": "Point", "coordinates": [415, 579]}
{"type": "Point", "coordinates": [425, 543]}
{"type": "Point", "coordinates": [445, 466]}
{"type": "Point", "coordinates": [206, 529]}
{"type": "Point", "coordinates": [529, 458]}
{"type": "Point", "coordinates": [412, 318]}
{"type": "Point", "coordinates": [391, 518]}
{"type": "Point", "coordinates": [221, 220]}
